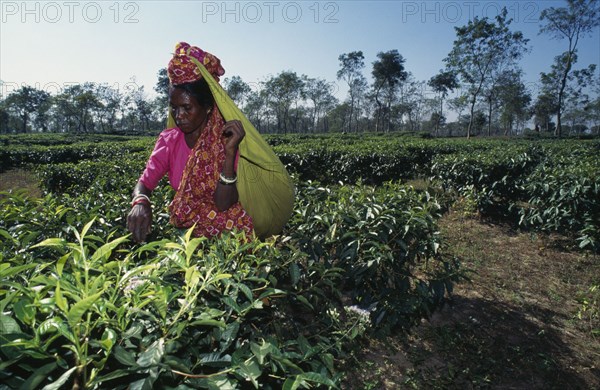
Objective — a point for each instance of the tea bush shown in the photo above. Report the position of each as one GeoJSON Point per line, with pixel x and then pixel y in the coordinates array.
{"type": "Point", "coordinates": [84, 306]}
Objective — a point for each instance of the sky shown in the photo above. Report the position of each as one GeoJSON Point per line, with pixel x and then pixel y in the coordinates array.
{"type": "Point", "coordinates": [52, 44]}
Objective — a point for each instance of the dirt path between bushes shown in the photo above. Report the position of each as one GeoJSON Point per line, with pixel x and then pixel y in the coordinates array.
{"type": "Point", "coordinates": [515, 325]}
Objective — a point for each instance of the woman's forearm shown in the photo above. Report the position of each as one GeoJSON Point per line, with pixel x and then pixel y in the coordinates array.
{"type": "Point", "coordinates": [139, 219]}
{"type": "Point", "coordinates": [226, 194]}
{"type": "Point", "coordinates": [140, 188]}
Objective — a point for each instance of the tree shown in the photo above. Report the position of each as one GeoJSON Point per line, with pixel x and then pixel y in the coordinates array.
{"type": "Point", "coordinates": [514, 100]}
{"type": "Point", "coordinates": [351, 65]}
{"type": "Point", "coordinates": [593, 113]}
{"type": "Point", "coordinates": [577, 20]}
{"type": "Point", "coordinates": [543, 108]}
{"type": "Point", "coordinates": [41, 120]}
{"type": "Point", "coordinates": [481, 46]}
{"type": "Point", "coordinates": [490, 94]}
{"type": "Point", "coordinates": [593, 108]}
{"type": "Point", "coordinates": [109, 105]}
{"type": "Point", "coordinates": [285, 90]}
{"type": "Point", "coordinates": [162, 89]}
{"type": "Point", "coordinates": [140, 110]}
{"type": "Point", "coordinates": [361, 102]}
{"type": "Point", "coordinates": [572, 96]}
{"type": "Point", "coordinates": [337, 117]}
{"type": "Point", "coordinates": [76, 107]}
{"type": "Point", "coordinates": [86, 104]}
{"type": "Point", "coordinates": [412, 103]}
{"type": "Point", "coordinates": [388, 73]}
{"type": "Point", "coordinates": [436, 121]}
{"type": "Point", "coordinates": [479, 121]}
{"type": "Point", "coordinates": [320, 93]}
{"type": "Point", "coordinates": [459, 104]}
{"type": "Point", "coordinates": [442, 83]}
{"type": "Point", "coordinates": [27, 101]}
{"type": "Point", "coordinates": [4, 117]}
{"type": "Point", "coordinates": [237, 89]}
{"type": "Point", "coordinates": [577, 97]}
{"type": "Point", "coordinates": [257, 109]}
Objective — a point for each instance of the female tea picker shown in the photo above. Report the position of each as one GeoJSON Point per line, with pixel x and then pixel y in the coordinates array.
{"type": "Point", "coordinates": [225, 175]}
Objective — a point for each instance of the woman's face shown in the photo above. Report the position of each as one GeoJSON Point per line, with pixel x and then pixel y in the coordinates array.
{"type": "Point", "coordinates": [189, 115]}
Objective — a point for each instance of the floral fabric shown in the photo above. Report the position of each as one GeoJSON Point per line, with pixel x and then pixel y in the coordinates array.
{"type": "Point", "coordinates": [181, 68]}
{"type": "Point", "coordinates": [194, 201]}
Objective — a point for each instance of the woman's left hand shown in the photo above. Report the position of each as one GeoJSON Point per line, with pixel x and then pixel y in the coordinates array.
{"type": "Point", "coordinates": [233, 132]}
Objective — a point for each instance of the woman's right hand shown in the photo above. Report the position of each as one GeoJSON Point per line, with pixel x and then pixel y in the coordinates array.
{"type": "Point", "coordinates": [139, 221]}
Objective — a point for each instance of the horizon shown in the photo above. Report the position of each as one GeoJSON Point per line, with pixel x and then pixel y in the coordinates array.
{"type": "Point", "coordinates": [100, 41]}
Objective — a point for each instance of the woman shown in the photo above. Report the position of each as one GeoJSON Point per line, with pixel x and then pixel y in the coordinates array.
{"type": "Point", "coordinates": [202, 155]}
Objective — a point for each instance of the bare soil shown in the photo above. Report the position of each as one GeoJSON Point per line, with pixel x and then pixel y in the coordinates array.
{"type": "Point", "coordinates": [514, 325]}
{"type": "Point", "coordinates": [20, 180]}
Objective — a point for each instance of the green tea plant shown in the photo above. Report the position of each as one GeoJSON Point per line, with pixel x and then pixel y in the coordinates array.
{"type": "Point", "coordinates": [564, 196]}
{"type": "Point", "coordinates": [84, 307]}
{"type": "Point", "coordinates": [192, 312]}
{"type": "Point", "coordinates": [589, 312]}
{"type": "Point", "coordinates": [22, 154]}
{"type": "Point", "coordinates": [387, 243]}
{"type": "Point", "coordinates": [103, 175]}
{"type": "Point", "coordinates": [492, 177]}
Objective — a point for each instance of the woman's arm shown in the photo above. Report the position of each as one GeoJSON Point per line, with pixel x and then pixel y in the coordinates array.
{"type": "Point", "coordinates": [139, 220]}
{"type": "Point", "coordinates": [226, 194]}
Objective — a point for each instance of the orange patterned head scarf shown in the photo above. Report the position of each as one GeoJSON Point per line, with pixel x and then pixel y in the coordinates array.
{"type": "Point", "coordinates": [181, 69]}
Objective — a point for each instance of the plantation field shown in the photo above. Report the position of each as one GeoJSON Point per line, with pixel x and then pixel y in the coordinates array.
{"type": "Point", "coordinates": [408, 263]}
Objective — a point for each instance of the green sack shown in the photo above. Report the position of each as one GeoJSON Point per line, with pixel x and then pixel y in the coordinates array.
{"type": "Point", "coordinates": [265, 189]}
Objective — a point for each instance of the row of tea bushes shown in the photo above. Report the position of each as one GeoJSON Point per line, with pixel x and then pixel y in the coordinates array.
{"type": "Point", "coordinates": [553, 187]}
{"type": "Point", "coordinates": [83, 306]}
{"type": "Point", "coordinates": [564, 196]}
{"type": "Point", "coordinates": [507, 179]}
{"type": "Point", "coordinates": [18, 156]}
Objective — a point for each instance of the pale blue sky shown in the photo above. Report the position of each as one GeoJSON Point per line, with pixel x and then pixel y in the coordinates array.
{"type": "Point", "coordinates": [50, 44]}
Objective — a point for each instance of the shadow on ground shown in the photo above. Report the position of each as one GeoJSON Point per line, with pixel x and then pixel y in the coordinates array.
{"type": "Point", "coordinates": [482, 343]}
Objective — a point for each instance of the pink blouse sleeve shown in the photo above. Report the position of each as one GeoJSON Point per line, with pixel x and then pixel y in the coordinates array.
{"type": "Point", "coordinates": [157, 165]}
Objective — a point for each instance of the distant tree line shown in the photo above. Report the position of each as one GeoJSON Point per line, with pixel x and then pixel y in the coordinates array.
{"type": "Point", "coordinates": [482, 74]}
{"type": "Point", "coordinates": [80, 108]}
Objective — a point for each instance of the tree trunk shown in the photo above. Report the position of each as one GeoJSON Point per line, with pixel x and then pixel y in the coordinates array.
{"type": "Point", "coordinates": [351, 112]}
{"type": "Point", "coordinates": [489, 117]}
{"type": "Point", "coordinates": [389, 115]}
{"type": "Point", "coordinates": [471, 110]}
{"type": "Point", "coordinates": [563, 84]}
{"type": "Point", "coordinates": [24, 117]}
{"type": "Point", "coordinates": [437, 122]}
{"type": "Point", "coordinates": [377, 115]}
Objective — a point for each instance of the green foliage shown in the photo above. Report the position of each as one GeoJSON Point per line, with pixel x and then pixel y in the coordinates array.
{"type": "Point", "coordinates": [548, 186]}
{"type": "Point", "coordinates": [81, 305]}
{"type": "Point", "coordinates": [104, 175]}
{"type": "Point", "coordinates": [589, 309]}
{"type": "Point", "coordinates": [545, 185]}
{"type": "Point", "coordinates": [189, 311]}
{"type": "Point", "coordinates": [564, 195]}
{"type": "Point", "coordinates": [84, 306]}
{"type": "Point", "coordinates": [492, 176]}
{"type": "Point", "coordinates": [15, 152]}
{"type": "Point", "coordinates": [387, 243]}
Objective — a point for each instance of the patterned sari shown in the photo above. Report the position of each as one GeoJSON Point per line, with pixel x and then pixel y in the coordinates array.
{"type": "Point", "coordinates": [194, 203]}
{"type": "Point", "coordinates": [266, 192]}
